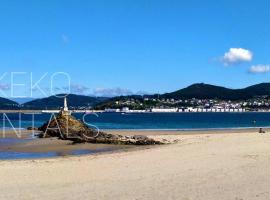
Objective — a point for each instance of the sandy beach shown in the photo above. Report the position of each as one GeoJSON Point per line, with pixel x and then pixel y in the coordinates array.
{"type": "Point", "coordinates": [209, 165]}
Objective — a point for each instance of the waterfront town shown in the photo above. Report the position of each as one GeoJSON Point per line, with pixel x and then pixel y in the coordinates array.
{"type": "Point", "coordinates": [258, 104]}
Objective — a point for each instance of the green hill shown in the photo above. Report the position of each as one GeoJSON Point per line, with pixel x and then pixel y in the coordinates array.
{"type": "Point", "coordinates": [8, 104]}
{"type": "Point", "coordinates": [201, 91]}
{"type": "Point", "coordinates": [198, 91]}
{"type": "Point", "coordinates": [54, 102]}
{"type": "Point", "coordinates": [206, 91]}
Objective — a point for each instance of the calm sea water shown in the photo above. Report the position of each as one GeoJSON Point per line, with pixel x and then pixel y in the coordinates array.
{"type": "Point", "coordinates": [151, 120]}
{"type": "Point", "coordinates": [11, 155]}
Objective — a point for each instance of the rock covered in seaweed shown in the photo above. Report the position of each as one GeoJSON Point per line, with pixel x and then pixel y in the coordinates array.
{"type": "Point", "coordinates": [63, 126]}
{"type": "Point", "coordinates": [67, 127]}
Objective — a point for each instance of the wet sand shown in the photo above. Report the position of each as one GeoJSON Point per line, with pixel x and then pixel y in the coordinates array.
{"type": "Point", "coordinates": [209, 165]}
{"type": "Point", "coordinates": [25, 142]}
{"type": "Point", "coordinates": [185, 132]}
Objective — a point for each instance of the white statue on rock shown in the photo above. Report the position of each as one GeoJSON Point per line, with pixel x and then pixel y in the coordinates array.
{"type": "Point", "coordinates": [65, 108]}
{"type": "Point", "coordinates": [65, 105]}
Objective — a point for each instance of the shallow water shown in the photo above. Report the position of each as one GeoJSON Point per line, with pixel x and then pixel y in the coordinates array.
{"type": "Point", "coordinates": [10, 155]}
{"type": "Point", "coordinates": [8, 141]}
{"type": "Point", "coordinates": [7, 152]}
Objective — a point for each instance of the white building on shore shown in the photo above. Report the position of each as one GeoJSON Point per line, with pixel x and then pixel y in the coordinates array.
{"type": "Point", "coordinates": [112, 110]}
{"type": "Point", "coordinates": [162, 110]}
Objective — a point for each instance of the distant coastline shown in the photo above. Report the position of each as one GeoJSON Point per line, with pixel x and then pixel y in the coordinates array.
{"type": "Point", "coordinates": [196, 96]}
{"type": "Point", "coordinates": [131, 111]}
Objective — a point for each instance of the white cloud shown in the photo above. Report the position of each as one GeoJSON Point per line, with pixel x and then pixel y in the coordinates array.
{"type": "Point", "coordinates": [140, 92]}
{"type": "Point", "coordinates": [65, 38]}
{"type": "Point", "coordinates": [110, 92]}
{"type": "Point", "coordinates": [258, 69]}
{"type": "Point", "coordinates": [237, 55]}
{"type": "Point", "coordinates": [79, 89]}
{"type": "Point", "coordinates": [4, 86]}
{"type": "Point", "coordinates": [73, 88]}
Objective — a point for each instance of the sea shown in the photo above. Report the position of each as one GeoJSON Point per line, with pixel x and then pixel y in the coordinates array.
{"type": "Point", "coordinates": [130, 121]}
{"type": "Point", "coordinates": [148, 121]}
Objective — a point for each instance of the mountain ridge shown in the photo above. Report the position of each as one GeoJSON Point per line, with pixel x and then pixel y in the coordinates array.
{"type": "Point", "coordinates": [56, 102]}
{"type": "Point", "coordinates": [8, 104]}
{"type": "Point", "coordinates": [197, 90]}
{"type": "Point", "coordinates": [208, 91]}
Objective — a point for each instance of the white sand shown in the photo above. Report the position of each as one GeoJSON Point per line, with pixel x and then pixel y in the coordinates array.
{"type": "Point", "coordinates": [210, 167]}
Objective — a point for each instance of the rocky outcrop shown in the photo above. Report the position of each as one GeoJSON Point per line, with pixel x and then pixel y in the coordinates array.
{"type": "Point", "coordinates": [67, 127]}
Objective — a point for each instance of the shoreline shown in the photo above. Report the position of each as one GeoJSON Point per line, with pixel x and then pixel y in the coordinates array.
{"type": "Point", "coordinates": [50, 148]}
{"type": "Point", "coordinates": [64, 148]}
{"type": "Point", "coordinates": [185, 132]}
{"type": "Point", "coordinates": [228, 129]}
{"type": "Point", "coordinates": [120, 112]}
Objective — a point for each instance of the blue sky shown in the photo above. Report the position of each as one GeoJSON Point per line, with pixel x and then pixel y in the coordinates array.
{"type": "Point", "coordinates": [124, 46]}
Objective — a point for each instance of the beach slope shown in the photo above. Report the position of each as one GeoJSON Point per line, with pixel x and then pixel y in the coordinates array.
{"type": "Point", "coordinates": [200, 166]}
